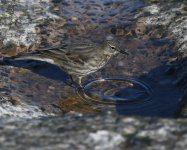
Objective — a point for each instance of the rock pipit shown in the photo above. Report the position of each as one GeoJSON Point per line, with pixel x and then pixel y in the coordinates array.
{"type": "Point", "coordinates": [78, 58]}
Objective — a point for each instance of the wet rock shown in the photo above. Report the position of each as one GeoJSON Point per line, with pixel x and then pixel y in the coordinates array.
{"type": "Point", "coordinates": [28, 100]}
{"type": "Point", "coordinates": [32, 25]}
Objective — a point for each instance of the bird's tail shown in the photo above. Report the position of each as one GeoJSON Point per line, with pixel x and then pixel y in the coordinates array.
{"type": "Point", "coordinates": [37, 55]}
{"type": "Point", "coordinates": [49, 55]}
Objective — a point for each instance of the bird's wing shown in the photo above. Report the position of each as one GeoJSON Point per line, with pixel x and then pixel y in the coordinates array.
{"type": "Point", "coordinates": [70, 51]}
{"type": "Point", "coordinates": [76, 53]}
{"type": "Point", "coordinates": [81, 52]}
{"type": "Point", "coordinates": [81, 47]}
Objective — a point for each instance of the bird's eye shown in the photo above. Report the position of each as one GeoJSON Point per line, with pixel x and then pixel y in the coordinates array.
{"type": "Point", "coordinates": [113, 47]}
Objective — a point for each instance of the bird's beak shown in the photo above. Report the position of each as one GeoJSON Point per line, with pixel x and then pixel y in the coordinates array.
{"type": "Point", "coordinates": [122, 51]}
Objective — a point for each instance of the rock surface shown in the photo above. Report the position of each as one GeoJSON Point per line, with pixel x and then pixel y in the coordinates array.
{"type": "Point", "coordinates": [79, 132]}
{"type": "Point", "coordinates": [30, 118]}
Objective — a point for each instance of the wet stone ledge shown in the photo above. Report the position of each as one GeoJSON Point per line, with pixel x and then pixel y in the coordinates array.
{"type": "Point", "coordinates": [27, 125]}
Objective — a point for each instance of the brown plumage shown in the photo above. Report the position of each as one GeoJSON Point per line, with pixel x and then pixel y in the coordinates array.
{"type": "Point", "coordinates": [77, 58]}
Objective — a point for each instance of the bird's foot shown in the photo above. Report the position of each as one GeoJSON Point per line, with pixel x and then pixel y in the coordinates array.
{"type": "Point", "coordinates": [72, 83]}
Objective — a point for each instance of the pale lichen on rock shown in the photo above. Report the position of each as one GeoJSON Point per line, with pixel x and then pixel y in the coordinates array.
{"type": "Point", "coordinates": [19, 19]}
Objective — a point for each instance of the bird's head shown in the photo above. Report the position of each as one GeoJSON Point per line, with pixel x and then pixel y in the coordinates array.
{"type": "Point", "coordinates": [114, 45]}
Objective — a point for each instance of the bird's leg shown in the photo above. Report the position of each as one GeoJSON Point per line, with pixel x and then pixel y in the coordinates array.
{"type": "Point", "coordinates": [92, 77]}
{"type": "Point", "coordinates": [80, 80]}
{"type": "Point", "coordinates": [74, 81]}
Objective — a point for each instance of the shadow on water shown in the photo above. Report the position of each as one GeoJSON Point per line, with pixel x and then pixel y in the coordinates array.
{"type": "Point", "coordinates": [165, 99]}
{"type": "Point", "coordinates": [42, 68]}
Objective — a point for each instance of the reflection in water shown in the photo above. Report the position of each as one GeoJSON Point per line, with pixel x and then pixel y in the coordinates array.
{"type": "Point", "coordinates": [165, 96]}
{"type": "Point", "coordinates": [156, 96]}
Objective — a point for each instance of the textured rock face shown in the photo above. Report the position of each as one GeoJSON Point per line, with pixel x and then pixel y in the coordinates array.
{"type": "Point", "coordinates": [93, 132]}
{"type": "Point", "coordinates": [27, 116]}
{"type": "Point", "coordinates": [27, 25]}
{"type": "Point", "coordinates": [19, 20]}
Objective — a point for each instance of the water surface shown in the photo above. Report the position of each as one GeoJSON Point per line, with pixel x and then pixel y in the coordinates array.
{"type": "Point", "coordinates": [150, 47]}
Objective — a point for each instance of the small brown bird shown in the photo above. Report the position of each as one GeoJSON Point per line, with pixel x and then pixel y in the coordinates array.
{"type": "Point", "coordinates": [78, 58]}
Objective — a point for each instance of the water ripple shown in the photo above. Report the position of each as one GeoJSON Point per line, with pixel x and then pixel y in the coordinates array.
{"type": "Point", "coordinates": [115, 90]}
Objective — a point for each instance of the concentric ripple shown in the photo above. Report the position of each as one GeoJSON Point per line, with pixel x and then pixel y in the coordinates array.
{"type": "Point", "coordinates": [115, 91]}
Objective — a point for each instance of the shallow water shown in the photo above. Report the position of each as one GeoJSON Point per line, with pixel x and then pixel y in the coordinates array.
{"type": "Point", "coordinates": [46, 86]}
